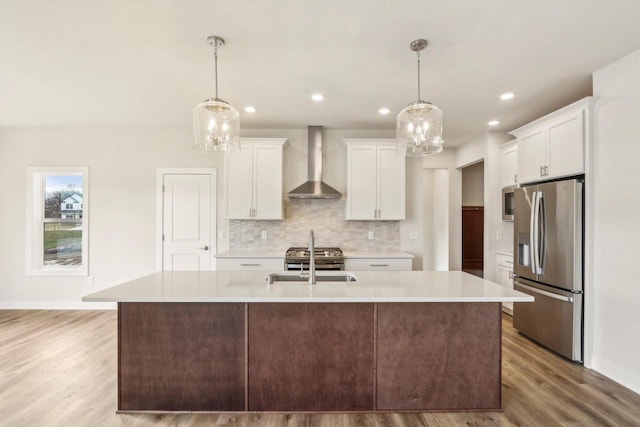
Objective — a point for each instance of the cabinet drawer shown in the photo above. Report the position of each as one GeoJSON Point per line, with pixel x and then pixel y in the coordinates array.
{"type": "Point", "coordinates": [271, 264]}
{"type": "Point", "coordinates": [378, 264]}
{"type": "Point", "coordinates": [505, 260]}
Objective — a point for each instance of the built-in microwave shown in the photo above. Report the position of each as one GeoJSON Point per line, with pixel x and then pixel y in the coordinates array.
{"type": "Point", "coordinates": [508, 203]}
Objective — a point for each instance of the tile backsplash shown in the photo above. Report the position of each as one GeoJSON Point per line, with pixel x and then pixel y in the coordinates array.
{"type": "Point", "coordinates": [325, 218]}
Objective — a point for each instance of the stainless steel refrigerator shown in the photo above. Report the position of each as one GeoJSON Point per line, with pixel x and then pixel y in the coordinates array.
{"type": "Point", "coordinates": [548, 264]}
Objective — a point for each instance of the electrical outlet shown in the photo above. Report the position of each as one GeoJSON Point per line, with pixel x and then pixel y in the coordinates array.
{"type": "Point", "coordinates": [263, 235]}
{"type": "Point", "coordinates": [221, 234]}
{"type": "Point", "coordinates": [90, 280]}
{"type": "Point", "coordinates": [413, 235]}
{"type": "Point", "coordinates": [371, 235]}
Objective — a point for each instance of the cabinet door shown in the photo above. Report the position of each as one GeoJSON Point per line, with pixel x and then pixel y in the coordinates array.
{"type": "Point", "coordinates": [509, 166]}
{"type": "Point", "coordinates": [505, 278]}
{"type": "Point", "coordinates": [565, 146]}
{"type": "Point", "coordinates": [392, 264]}
{"type": "Point", "coordinates": [240, 184]}
{"type": "Point", "coordinates": [361, 179]}
{"type": "Point", "coordinates": [390, 180]}
{"type": "Point", "coordinates": [532, 154]}
{"type": "Point", "coordinates": [267, 182]}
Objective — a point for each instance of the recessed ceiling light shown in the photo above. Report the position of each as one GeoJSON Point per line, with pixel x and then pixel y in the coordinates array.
{"type": "Point", "coordinates": [507, 95]}
{"type": "Point", "coordinates": [317, 97]}
{"type": "Point", "coordinates": [384, 111]}
{"type": "Point", "coordinates": [250, 109]}
{"type": "Point", "coordinates": [494, 123]}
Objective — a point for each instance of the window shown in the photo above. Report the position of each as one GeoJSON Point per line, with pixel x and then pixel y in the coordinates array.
{"type": "Point", "coordinates": [57, 223]}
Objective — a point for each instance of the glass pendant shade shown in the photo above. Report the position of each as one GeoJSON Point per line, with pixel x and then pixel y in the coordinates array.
{"type": "Point", "coordinates": [216, 124]}
{"type": "Point", "coordinates": [216, 127]}
{"type": "Point", "coordinates": [419, 129]}
{"type": "Point", "coordinates": [419, 124]}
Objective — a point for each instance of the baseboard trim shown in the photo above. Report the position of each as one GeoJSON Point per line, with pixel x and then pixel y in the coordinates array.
{"type": "Point", "coordinates": [56, 305]}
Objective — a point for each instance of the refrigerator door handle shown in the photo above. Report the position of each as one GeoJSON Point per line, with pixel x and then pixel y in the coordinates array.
{"type": "Point", "coordinates": [545, 293]}
{"type": "Point", "coordinates": [533, 235]}
{"type": "Point", "coordinates": [541, 247]}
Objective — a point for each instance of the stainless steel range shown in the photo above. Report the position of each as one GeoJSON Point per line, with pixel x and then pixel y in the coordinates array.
{"type": "Point", "coordinates": [325, 259]}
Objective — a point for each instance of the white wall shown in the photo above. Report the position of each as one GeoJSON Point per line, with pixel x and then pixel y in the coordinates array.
{"type": "Point", "coordinates": [122, 169]}
{"type": "Point", "coordinates": [614, 296]}
{"type": "Point", "coordinates": [473, 185]}
{"type": "Point", "coordinates": [485, 147]}
{"type": "Point", "coordinates": [444, 177]}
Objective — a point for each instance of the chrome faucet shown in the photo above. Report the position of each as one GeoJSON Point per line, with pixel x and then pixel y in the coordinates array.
{"type": "Point", "coordinates": [312, 259]}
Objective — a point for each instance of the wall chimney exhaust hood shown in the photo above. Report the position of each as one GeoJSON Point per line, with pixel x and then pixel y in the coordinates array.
{"type": "Point", "coordinates": [314, 188]}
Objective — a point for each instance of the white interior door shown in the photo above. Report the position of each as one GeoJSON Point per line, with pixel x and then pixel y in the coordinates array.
{"type": "Point", "coordinates": [187, 222]}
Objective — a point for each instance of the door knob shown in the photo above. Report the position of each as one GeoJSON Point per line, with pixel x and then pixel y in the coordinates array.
{"type": "Point", "coordinates": [206, 248]}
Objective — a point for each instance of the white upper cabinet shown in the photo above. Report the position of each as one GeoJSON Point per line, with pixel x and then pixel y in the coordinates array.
{"type": "Point", "coordinates": [553, 146]}
{"type": "Point", "coordinates": [375, 180]}
{"type": "Point", "coordinates": [254, 187]}
{"type": "Point", "coordinates": [509, 164]}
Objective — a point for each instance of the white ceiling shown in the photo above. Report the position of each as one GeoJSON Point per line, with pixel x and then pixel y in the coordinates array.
{"type": "Point", "coordinates": [147, 63]}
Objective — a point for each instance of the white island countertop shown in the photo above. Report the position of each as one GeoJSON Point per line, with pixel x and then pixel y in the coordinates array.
{"type": "Point", "coordinates": [251, 286]}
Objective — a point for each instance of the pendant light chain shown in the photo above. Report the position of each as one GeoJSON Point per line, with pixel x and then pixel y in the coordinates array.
{"type": "Point", "coordinates": [215, 55]}
{"type": "Point", "coordinates": [418, 53]}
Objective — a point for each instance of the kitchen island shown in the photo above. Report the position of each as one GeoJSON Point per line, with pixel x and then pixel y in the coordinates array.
{"type": "Point", "coordinates": [228, 341]}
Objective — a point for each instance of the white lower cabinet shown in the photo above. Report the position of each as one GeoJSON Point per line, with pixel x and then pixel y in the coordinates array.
{"type": "Point", "coordinates": [504, 276]}
{"type": "Point", "coordinates": [270, 264]}
{"type": "Point", "coordinates": [389, 264]}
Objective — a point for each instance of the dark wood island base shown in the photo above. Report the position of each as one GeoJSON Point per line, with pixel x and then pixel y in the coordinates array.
{"type": "Point", "coordinates": [308, 357]}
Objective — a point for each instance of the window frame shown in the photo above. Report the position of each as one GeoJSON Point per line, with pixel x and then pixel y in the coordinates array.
{"type": "Point", "coordinates": [35, 222]}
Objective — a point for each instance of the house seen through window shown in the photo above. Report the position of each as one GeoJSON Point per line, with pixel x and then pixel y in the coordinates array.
{"type": "Point", "coordinates": [63, 220]}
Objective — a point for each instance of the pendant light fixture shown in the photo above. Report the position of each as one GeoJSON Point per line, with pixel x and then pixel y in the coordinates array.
{"type": "Point", "coordinates": [216, 124]}
{"type": "Point", "coordinates": [419, 125]}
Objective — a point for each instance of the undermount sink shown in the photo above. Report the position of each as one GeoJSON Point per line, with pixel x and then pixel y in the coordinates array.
{"type": "Point", "coordinates": [333, 277]}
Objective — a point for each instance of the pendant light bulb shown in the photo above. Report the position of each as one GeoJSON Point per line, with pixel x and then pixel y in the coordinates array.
{"type": "Point", "coordinates": [216, 124]}
{"type": "Point", "coordinates": [419, 124]}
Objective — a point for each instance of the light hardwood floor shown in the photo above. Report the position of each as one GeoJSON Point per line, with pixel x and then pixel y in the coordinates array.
{"type": "Point", "coordinates": [58, 368]}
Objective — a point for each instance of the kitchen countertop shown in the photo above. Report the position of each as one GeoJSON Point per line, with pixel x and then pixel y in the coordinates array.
{"type": "Point", "coordinates": [251, 287]}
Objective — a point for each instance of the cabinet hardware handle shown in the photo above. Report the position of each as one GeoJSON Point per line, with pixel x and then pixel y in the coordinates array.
{"type": "Point", "coordinates": [379, 215]}
{"type": "Point", "coordinates": [250, 265]}
{"type": "Point", "coordinates": [378, 265]}
{"type": "Point", "coordinates": [254, 213]}
{"type": "Point", "coordinates": [546, 170]}
{"type": "Point", "coordinates": [508, 262]}
{"type": "Point", "coordinates": [375, 213]}
{"type": "Point", "coordinates": [250, 211]}
{"type": "Point", "coordinates": [206, 248]}
{"type": "Point", "coordinates": [541, 170]}
{"type": "Point", "coordinates": [515, 178]}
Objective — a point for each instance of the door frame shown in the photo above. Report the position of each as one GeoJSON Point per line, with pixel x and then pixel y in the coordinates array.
{"type": "Point", "coordinates": [160, 173]}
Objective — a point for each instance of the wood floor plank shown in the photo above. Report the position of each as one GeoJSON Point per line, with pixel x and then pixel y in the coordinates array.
{"type": "Point", "coordinates": [59, 368]}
